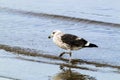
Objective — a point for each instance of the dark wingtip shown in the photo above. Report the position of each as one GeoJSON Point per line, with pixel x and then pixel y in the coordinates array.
{"type": "Point", "coordinates": [92, 45]}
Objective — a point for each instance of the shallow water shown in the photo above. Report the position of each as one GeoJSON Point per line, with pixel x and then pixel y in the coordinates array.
{"type": "Point", "coordinates": [95, 10]}
{"type": "Point", "coordinates": [30, 33]}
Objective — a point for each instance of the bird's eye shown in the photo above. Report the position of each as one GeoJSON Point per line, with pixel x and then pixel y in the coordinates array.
{"type": "Point", "coordinates": [53, 32]}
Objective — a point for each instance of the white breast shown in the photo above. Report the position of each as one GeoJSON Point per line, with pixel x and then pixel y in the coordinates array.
{"type": "Point", "coordinates": [57, 40]}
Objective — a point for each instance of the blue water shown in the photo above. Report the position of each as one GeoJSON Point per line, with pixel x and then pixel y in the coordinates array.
{"type": "Point", "coordinates": [107, 11]}
{"type": "Point", "coordinates": [18, 27]}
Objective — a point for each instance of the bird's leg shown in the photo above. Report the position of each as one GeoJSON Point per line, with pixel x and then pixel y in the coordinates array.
{"type": "Point", "coordinates": [70, 54]}
{"type": "Point", "coordinates": [62, 54]}
{"type": "Point", "coordinates": [70, 58]}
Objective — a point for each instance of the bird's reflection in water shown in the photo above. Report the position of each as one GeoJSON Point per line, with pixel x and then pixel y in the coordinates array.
{"type": "Point", "coordinates": [68, 74]}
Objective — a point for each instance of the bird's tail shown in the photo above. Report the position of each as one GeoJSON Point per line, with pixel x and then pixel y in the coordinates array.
{"type": "Point", "coordinates": [91, 45]}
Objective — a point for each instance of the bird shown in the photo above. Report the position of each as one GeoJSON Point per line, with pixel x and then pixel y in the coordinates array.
{"type": "Point", "coordinates": [69, 42]}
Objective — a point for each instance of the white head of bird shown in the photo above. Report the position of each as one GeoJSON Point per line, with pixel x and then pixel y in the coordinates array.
{"type": "Point", "coordinates": [54, 33]}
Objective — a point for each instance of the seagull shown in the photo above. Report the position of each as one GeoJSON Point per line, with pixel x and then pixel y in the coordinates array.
{"type": "Point", "coordinates": [69, 42]}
